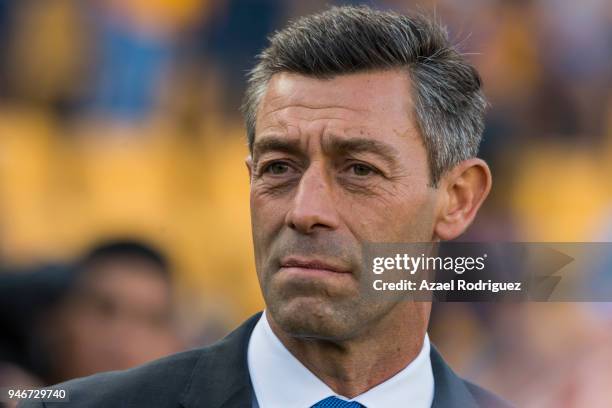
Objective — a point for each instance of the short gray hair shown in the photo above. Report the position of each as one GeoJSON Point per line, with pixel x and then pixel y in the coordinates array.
{"type": "Point", "coordinates": [448, 101]}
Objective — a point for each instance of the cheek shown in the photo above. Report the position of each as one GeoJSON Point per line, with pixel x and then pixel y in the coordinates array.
{"type": "Point", "coordinates": [399, 216]}
{"type": "Point", "coordinates": [267, 217]}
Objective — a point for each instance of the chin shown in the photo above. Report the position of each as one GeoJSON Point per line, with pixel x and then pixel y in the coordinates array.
{"type": "Point", "coordinates": [311, 317]}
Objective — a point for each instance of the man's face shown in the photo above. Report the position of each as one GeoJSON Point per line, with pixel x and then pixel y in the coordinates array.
{"type": "Point", "coordinates": [119, 318]}
{"type": "Point", "coordinates": [335, 163]}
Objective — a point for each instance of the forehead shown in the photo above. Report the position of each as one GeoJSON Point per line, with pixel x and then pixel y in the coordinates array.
{"type": "Point", "coordinates": [374, 102]}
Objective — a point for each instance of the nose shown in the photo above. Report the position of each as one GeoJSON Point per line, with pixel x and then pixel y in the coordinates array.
{"type": "Point", "coordinates": [313, 207]}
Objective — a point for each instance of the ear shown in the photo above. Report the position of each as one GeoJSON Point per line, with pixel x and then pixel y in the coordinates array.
{"type": "Point", "coordinates": [249, 164]}
{"type": "Point", "coordinates": [463, 190]}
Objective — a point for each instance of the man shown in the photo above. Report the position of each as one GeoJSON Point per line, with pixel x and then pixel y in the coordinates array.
{"type": "Point", "coordinates": [116, 315]}
{"type": "Point", "coordinates": [363, 126]}
{"type": "Point", "coordinates": [110, 310]}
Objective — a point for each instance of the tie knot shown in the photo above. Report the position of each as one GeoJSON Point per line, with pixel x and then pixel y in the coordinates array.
{"type": "Point", "coordinates": [334, 402]}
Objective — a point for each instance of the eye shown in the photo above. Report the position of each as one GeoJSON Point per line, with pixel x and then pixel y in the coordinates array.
{"type": "Point", "coordinates": [360, 169]}
{"type": "Point", "coordinates": [276, 168]}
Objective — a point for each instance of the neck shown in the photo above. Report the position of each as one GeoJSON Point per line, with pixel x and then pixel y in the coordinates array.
{"type": "Point", "coordinates": [352, 367]}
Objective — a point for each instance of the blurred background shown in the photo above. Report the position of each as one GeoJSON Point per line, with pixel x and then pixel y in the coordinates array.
{"type": "Point", "coordinates": [124, 223]}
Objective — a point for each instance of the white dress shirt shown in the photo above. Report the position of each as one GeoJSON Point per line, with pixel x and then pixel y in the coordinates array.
{"type": "Point", "coordinates": [281, 381]}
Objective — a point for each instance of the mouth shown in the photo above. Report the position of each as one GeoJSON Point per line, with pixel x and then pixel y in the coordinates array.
{"type": "Point", "coordinates": [312, 265]}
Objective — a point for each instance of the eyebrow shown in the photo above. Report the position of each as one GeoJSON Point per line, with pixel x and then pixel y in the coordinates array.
{"type": "Point", "coordinates": [335, 144]}
{"type": "Point", "coordinates": [276, 144]}
{"type": "Point", "coordinates": [364, 145]}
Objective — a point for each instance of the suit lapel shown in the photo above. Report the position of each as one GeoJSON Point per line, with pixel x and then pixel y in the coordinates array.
{"type": "Point", "coordinates": [449, 389]}
{"type": "Point", "coordinates": [220, 378]}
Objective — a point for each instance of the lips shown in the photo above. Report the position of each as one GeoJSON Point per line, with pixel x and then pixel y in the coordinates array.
{"type": "Point", "coordinates": [314, 264]}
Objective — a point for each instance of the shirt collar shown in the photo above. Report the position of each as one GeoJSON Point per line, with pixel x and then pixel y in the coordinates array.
{"type": "Point", "coordinates": [280, 380]}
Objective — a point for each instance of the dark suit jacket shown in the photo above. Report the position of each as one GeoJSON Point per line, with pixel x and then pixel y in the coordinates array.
{"type": "Point", "coordinates": [218, 376]}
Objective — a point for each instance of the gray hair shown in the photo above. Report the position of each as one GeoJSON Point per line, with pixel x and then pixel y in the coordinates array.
{"type": "Point", "coordinates": [448, 101]}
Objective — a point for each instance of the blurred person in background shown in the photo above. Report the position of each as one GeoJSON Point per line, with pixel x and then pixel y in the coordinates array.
{"type": "Point", "coordinates": [117, 315]}
{"type": "Point", "coordinates": [112, 310]}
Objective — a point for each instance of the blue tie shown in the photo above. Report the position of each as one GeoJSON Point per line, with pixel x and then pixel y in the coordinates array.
{"type": "Point", "coordinates": [333, 402]}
